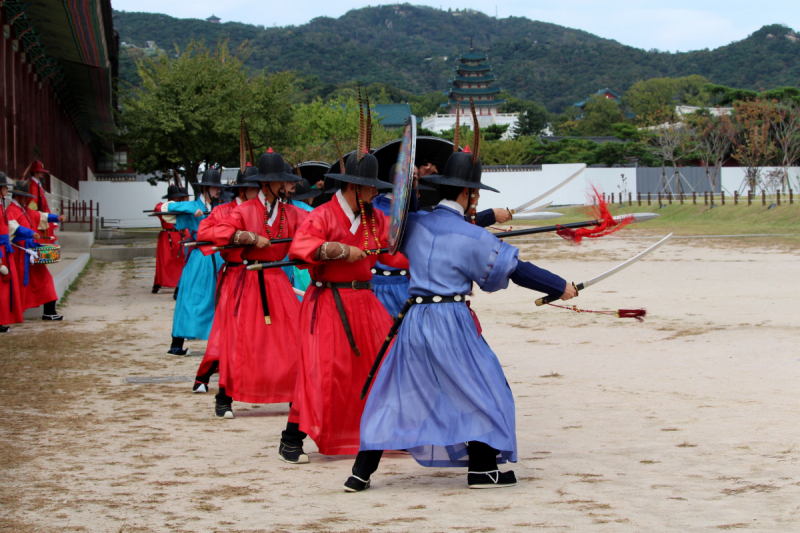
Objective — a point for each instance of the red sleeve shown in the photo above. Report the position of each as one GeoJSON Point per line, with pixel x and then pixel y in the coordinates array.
{"type": "Point", "coordinates": [228, 226]}
{"type": "Point", "coordinates": [310, 236]}
{"type": "Point", "coordinates": [398, 260]}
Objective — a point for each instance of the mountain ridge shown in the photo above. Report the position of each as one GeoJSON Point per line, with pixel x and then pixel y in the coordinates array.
{"type": "Point", "coordinates": [405, 46]}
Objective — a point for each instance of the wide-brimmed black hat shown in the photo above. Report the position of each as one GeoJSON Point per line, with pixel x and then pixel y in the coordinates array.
{"type": "Point", "coordinates": [173, 191]}
{"type": "Point", "coordinates": [242, 179]}
{"type": "Point", "coordinates": [303, 191]}
{"type": "Point", "coordinates": [272, 167]}
{"type": "Point", "coordinates": [21, 188]}
{"type": "Point", "coordinates": [4, 179]}
{"type": "Point", "coordinates": [314, 171]}
{"type": "Point", "coordinates": [364, 172]}
{"type": "Point", "coordinates": [211, 178]}
{"type": "Point", "coordinates": [460, 171]}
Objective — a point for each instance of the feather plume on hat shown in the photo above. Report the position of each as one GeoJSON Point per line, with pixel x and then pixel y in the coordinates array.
{"type": "Point", "coordinates": [476, 130]}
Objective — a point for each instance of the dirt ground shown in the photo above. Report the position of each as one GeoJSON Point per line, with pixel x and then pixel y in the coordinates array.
{"type": "Point", "coordinates": [686, 422]}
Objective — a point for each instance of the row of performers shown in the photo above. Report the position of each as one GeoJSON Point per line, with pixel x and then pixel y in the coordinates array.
{"type": "Point", "coordinates": [440, 393]}
{"type": "Point", "coordinates": [26, 224]}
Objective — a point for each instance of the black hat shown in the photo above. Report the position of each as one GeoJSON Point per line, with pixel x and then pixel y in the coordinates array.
{"type": "Point", "coordinates": [173, 191]}
{"type": "Point", "coordinates": [292, 171]}
{"type": "Point", "coordinates": [184, 191]}
{"type": "Point", "coordinates": [249, 171]}
{"type": "Point", "coordinates": [21, 189]}
{"type": "Point", "coordinates": [272, 167]}
{"type": "Point", "coordinates": [211, 178]}
{"type": "Point", "coordinates": [303, 191]}
{"type": "Point", "coordinates": [460, 171]}
{"type": "Point", "coordinates": [4, 179]}
{"type": "Point", "coordinates": [314, 171]}
{"type": "Point", "coordinates": [364, 172]}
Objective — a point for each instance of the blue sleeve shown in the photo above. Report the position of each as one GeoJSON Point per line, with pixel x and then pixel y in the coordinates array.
{"type": "Point", "coordinates": [484, 219]}
{"type": "Point", "coordinates": [52, 218]}
{"type": "Point", "coordinates": [501, 262]}
{"type": "Point", "coordinates": [538, 279]}
{"type": "Point", "coordinates": [23, 233]}
{"type": "Point", "coordinates": [188, 208]}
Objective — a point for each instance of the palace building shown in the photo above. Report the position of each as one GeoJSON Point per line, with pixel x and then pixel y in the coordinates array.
{"type": "Point", "coordinates": [473, 78]}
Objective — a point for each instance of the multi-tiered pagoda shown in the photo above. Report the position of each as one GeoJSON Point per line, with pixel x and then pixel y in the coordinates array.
{"type": "Point", "coordinates": [473, 78]}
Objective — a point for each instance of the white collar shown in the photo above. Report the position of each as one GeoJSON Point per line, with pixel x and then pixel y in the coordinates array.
{"type": "Point", "coordinates": [238, 201]}
{"type": "Point", "coordinates": [452, 205]}
{"type": "Point", "coordinates": [389, 195]}
{"type": "Point", "coordinates": [274, 209]}
{"type": "Point", "coordinates": [34, 178]}
{"type": "Point", "coordinates": [354, 220]}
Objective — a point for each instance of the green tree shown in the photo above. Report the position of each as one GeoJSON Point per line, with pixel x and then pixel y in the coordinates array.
{"type": "Point", "coordinates": [599, 117]}
{"type": "Point", "coordinates": [511, 152]}
{"type": "Point", "coordinates": [652, 100]}
{"type": "Point", "coordinates": [187, 111]}
{"type": "Point", "coordinates": [532, 121]}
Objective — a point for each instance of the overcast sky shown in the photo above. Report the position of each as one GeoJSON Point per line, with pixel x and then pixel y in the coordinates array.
{"type": "Point", "coordinates": [675, 25]}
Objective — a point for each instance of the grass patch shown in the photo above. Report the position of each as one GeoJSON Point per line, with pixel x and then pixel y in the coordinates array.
{"type": "Point", "coordinates": [698, 219]}
{"type": "Point", "coordinates": [74, 285]}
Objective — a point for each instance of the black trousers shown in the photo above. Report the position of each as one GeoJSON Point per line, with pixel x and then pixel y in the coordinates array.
{"type": "Point", "coordinates": [50, 308]}
{"type": "Point", "coordinates": [482, 458]}
{"type": "Point", "coordinates": [177, 342]}
{"type": "Point", "coordinates": [222, 398]}
{"type": "Point", "coordinates": [205, 378]}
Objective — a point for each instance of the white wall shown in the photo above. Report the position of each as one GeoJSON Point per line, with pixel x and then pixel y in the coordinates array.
{"type": "Point", "coordinates": [125, 201]}
{"type": "Point", "coordinates": [517, 188]}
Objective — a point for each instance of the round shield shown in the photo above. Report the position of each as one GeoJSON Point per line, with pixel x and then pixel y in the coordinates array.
{"type": "Point", "coordinates": [403, 183]}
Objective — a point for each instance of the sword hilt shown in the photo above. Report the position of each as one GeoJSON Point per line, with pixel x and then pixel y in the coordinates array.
{"type": "Point", "coordinates": [548, 299]}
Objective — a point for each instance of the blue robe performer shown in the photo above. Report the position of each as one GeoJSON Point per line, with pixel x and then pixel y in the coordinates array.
{"type": "Point", "coordinates": [194, 308]}
{"type": "Point", "coordinates": [441, 393]}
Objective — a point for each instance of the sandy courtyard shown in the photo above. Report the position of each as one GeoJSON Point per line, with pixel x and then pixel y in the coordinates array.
{"type": "Point", "coordinates": [689, 421]}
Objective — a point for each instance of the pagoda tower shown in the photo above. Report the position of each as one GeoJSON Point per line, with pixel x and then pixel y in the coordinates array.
{"type": "Point", "coordinates": [473, 78]}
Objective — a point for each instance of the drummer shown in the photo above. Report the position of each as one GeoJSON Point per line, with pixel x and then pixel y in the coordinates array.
{"type": "Point", "coordinates": [36, 283]}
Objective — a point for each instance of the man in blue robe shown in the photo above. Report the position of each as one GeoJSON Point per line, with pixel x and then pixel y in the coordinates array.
{"type": "Point", "coordinates": [391, 284]}
{"type": "Point", "coordinates": [441, 393]}
{"type": "Point", "coordinates": [194, 306]}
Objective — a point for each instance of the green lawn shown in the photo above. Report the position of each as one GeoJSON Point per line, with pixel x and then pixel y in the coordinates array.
{"type": "Point", "coordinates": [690, 219]}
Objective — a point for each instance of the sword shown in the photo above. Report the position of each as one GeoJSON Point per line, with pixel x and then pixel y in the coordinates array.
{"type": "Point", "coordinates": [597, 279]}
{"type": "Point", "coordinates": [537, 215]}
{"type": "Point", "coordinates": [538, 208]}
{"type": "Point", "coordinates": [548, 193]}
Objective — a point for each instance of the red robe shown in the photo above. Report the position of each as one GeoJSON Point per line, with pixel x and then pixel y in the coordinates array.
{"type": "Point", "coordinates": [258, 362]}
{"type": "Point", "coordinates": [205, 232]}
{"type": "Point", "coordinates": [39, 203]}
{"type": "Point", "coordinates": [11, 304]}
{"type": "Point", "coordinates": [329, 380]}
{"type": "Point", "coordinates": [169, 254]}
{"type": "Point", "coordinates": [40, 289]}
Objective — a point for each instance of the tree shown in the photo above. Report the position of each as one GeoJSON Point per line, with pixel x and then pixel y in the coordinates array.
{"type": "Point", "coordinates": [599, 117]}
{"type": "Point", "coordinates": [187, 111]}
{"type": "Point", "coordinates": [752, 146]}
{"type": "Point", "coordinates": [651, 100]}
{"type": "Point", "coordinates": [532, 120]}
{"type": "Point", "coordinates": [713, 136]}
{"type": "Point", "coordinates": [673, 143]}
{"type": "Point", "coordinates": [511, 152]}
{"type": "Point", "coordinates": [786, 128]}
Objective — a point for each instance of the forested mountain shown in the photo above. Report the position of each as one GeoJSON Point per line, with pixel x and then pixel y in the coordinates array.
{"type": "Point", "coordinates": [413, 48]}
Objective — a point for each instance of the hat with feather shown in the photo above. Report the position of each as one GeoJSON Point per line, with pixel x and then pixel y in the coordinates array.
{"type": "Point", "coordinates": [463, 169]}
{"type": "Point", "coordinates": [362, 169]}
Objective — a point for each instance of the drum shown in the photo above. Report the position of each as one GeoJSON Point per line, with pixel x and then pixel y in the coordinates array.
{"type": "Point", "coordinates": [48, 254]}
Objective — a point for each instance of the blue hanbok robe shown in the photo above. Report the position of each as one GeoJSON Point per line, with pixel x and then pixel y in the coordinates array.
{"type": "Point", "coordinates": [441, 385]}
{"type": "Point", "coordinates": [194, 308]}
{"type": "Point", "coordinates": [391, 291]}
{"type": "Point", "coordinates": [300, 279]}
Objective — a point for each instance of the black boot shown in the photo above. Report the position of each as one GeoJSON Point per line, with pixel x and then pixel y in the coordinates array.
{"type": "Point", "coordinates": [155, 289]}
{"type": "Point", "coordinates": [176, 348]}
{"type": "Point", "coordinates": [201, 381]}
{"type": "Point", "coordinates": [483, 472]}
{"type": "Point", "coordinates": [366, 464]}
{"type": "Point", "coordinates": [4, 329]}
{"type": "Point", "coordinates": [50, 312]}
{"type": "Point", "coordinates": [223, 405]}
{"type": "Point", "coordinates": [290, 450]}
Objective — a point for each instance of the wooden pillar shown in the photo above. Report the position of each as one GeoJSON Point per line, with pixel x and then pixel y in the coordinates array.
{"type": "Point", "coordinates": [681, 198]}
{"type": "Point", "coordinates": [791, 196]}
{"type": "Point", "coordinates": [778, 197]}
{"type": "Point", "coordinates": [694, 198]}
{"type": "Point", "coordinates": [630, 201]}
{"type": "Point", "coordinates": [735, 197]}
{"type": "Point", "coordinates": [648, 198]}
{"type": "Point", "coordinates": [763, 198]}
{"type": "Point", "coordinates": [722, 197]}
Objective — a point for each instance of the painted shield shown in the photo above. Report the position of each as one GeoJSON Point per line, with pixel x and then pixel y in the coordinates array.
{"type": "Point", "coordinates": [403, 182]}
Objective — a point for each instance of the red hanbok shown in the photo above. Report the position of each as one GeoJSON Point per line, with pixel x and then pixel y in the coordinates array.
{"type": "Point", "coordinates": [169, 254]}
{"type": "Point", "coordinates": [40, 288]}
{"type": "Point", "coordinates": [39, 203]}
{"type": "Point", "coordinates": [326, 398]}
{"type": "Point", "coordinates": [205, 232]}
{"type": "Point", "coordinates": [11, 304]}
{"type": "Point", "coordinates": [258, 361]}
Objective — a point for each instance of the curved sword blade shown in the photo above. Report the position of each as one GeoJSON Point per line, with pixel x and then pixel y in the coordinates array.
{"type": "Point", "coordinates": [538, 208]}
{"type": "Point", "coordinates": [626, 264]}
{"type": "Point", "coordinates": [551, 191]}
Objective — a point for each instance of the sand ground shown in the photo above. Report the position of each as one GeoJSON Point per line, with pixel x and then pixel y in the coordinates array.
{"type": "Point", "coordinates": [686, 422]}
